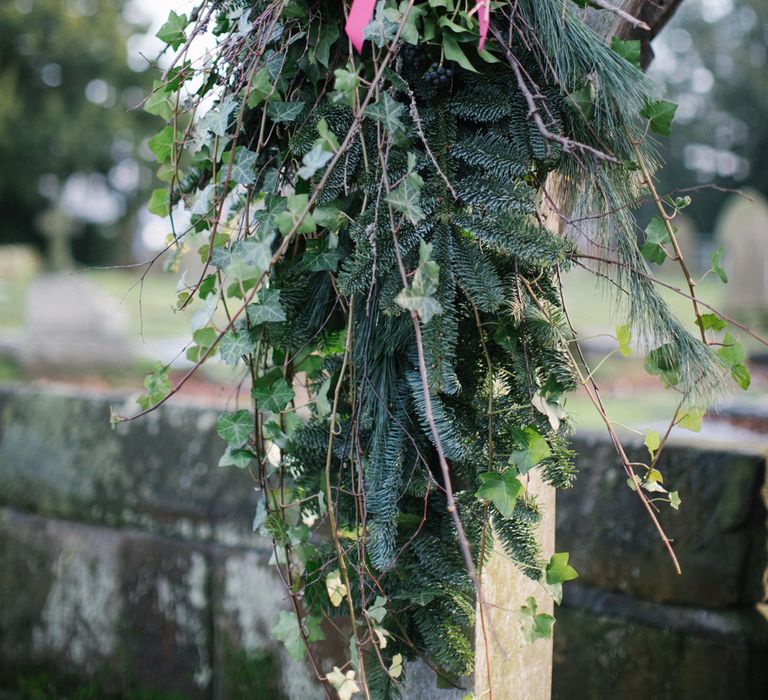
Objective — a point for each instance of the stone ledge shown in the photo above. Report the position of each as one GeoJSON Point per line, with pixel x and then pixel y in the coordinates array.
{"type": "Point", "coordinates": [719, 532]}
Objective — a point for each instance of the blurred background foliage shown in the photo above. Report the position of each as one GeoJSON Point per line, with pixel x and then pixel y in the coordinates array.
{"type": "Point", "coordinates": [70, 140]}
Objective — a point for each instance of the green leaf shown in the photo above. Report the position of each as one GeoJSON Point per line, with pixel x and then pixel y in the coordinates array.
{"type": "Point", "coordinates": [710, 321]}
{"type": "Point", "coordinates": [235, 428]}
{"type": "Point", "coordinates": [158, 386]}
{"type": "Point", "coordinates": [652, 441]}
{"type": "Point", "coordinates": [314, 160]}
{"type": "Point", "coordinates": [160, 202]}
{"type": "Point", "coordinates": [453, 52]}
{"type": "Point", "coordinates": [717, 268]}
{"type": "Point", "coordinates": [267, 309]}
{"type": "Point", "coordinates": [629, 50]}
{"type": "Point", "coordinates": [236, 457]}
{"type": "Point", "coordinates": [328, 138]}
{"type": "Point", "coordinates": [216, 120]}
{"type": "Point", "coordinates": [624, 336]}
{"type": "Point", "coordinates": [656, 235]}
{"type": "Point", "coordinates": [159, 103]}
{"type": "Point", "coordinates": [387, 111]}
{"type": "Point", "coordinates": [234, 345]}
{"type": "Point", "coordinates": [319, 257]}
{"type": "Point", "coordinates": [248, 259]}
{"type": "Point", "coordinates": [287, 220]}
{"type": "Point", "coordinates": [502, 489]}
{"type": "Point", "coordinates": [674, 500]}
{"type": "Point", "coordinates": [284, 111]}
{"type": "Point", "coordinates": [271, 392]}
{"type": "Point", "coordinates": [535, 626]}
{"type": "Point", "coordinates": [172, 32]}
{"type": "Point", "coordinates": [345, 85]}
{"type": "Point", "coordinates": [535, 451]}
{"type": "Point", "coordinates": [162, 144]}
{"type": "Point", "coordinates": [663, 362]}
{"type": "Point", "coordinates": [583, 100]}
{"type": "Point", "coordinates": [419, 297]}
{"type": "Point", "coordinates": [559, 570]}
{"type": "Point", "coordinates": [691, 419]}
{"type": "Point", "coordinates": [733, 355]}
{"type": "Point", "coordinates": [407, 196]}
{"type": "Point", "coordinates": [261, 88]}
{"type": "Point", "coordinates": [660, 115]}
{"type": "Point", "coordinates": [378, 611]}
{"type": "Point", "coordinates": [287, 631]}
{"type": "Point", "coordinates": [244, 166]}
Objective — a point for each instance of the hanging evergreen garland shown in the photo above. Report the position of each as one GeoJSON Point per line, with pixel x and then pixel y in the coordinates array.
{"type": "Point", "coordinates": [373, 235]}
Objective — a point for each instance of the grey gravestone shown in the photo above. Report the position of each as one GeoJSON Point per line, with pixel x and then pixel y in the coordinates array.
{"type": "Point", "coordinates": [71, 324]}
{"type": "Point", "coordinates": [743, 230]}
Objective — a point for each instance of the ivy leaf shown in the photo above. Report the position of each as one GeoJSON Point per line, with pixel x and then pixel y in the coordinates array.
{"type": "Point", "coordinates": [378, 611]}
{"type": "Point", "coordinates": [691, 419]}
{"type": "Point", "coordinates": [249, 258]}
{"type": "Point", "coordinates": [336, 589]}
{"type": "Point", "coordinates": [268, 308]}
{"type": "Point", "coordinates": [284, 111]}
{"type": "Point", "coordinates": [329, 33]}
{"type": "Point", "coordinates": [172, 32]}
{"type": "Point", "coordinates": [660, 115]}
{"type": "Point", "coordinates": [158, 386]}
{"type": "Point", "coordinates": [396, 668]}
{"type": "Point", "coordinates": [271, 391]}
{"type": "Point", "coordinates": [501, 489]}
{"type": "Point", "coordinates": [733, 356]}
{"type": "Point", "coordinates": [624, 336]}
{"type": "Point", "coordinates": [629, 50]}
{"type": "Point", "coordinates": [387, 111]}
{"type": "Point", "coordinates": [244, 166]}
{"type": "Point", "coordinates": [261, 88]}
{"type": "Point", "coordinates": [710, 321]}
{"type": "Point", "coordinates": [287, 631]}
{"type": "Point", "coordinates": [717, 268]}
{"type": "Point", "coordinates": [216, 120]}
{"type": "Point", "coordinates": [345, 85]}
{"type": "Point", "coordinates": [407, 196]}
{"type": "Point", "coordinates": [313, 161]}
{"type": "Point", "coordinates": [344, 683]}
{"type": "Point", "coordinates": [454, 52]}
{"type": "Point", "coordinates": [233, 345]}
{"type": "Point", "coordinates": [235, 428]}
{"type": "Point", "coordinates": [652, 441]}
{"type": "Point", "coordinates": [583, 100]}
{"type": "Point", "coordinates": [162, 144]}
{"type": "Point", "coordinates": [327, 136]}
{"type": "Point", "coordinates": [559, 570]}
{"type": "Point", "coordinates": [536, 450]}
{"type": "Point", "coordinates": [419, 297]}
{"type": "Point", "coordinates": [160, 202]}
{"type": "Point", "coordinates": [663, 362]}
{"type": "Point", "coordinates": [290, 218]}
{"type": "Point", "coordinates": [656, 235]}
{"type": "Point", "coordinates": [158, 103]}
{"type": "Point", "coordinates": [674, 500]}
{"type": "Point", "coordinates": [236, 457]}
{"type": "Point", "coordinates": [535, 626]}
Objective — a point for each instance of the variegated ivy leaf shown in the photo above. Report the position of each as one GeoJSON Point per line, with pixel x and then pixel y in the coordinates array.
{"type": "Point", "coordinates": [387, 111]}
{"type": "Point", "coordinates": [314, 160]}
{"type": "Point", "coordinates": [249, 258]}
{"type": "Point", "coordinates": [344, 683]}
{"type": "Point", "coordinates": [234, 345]}
{"type": "Point", "coordinates": [244, 166]}
{"type": "Point", "coordinates": [235, 428]}
{"type": "Point", "coordinates": [406, 198]}
{"type": "Point", "coordinates": [419, 296]}
{"type": "Point", "coordinates": [267, 308]}
{"type": "Point", "coordinates": [216, 120]}
{"type": "Point", "coordinates": [336, 589]}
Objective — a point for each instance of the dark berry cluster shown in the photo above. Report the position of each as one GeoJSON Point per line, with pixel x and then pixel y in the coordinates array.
{"type": "Point", "coordinates": [439, 75]}
{"type": "Point", "coordinates": [412, 55]}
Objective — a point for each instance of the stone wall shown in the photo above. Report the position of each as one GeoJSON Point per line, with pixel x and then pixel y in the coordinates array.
{"type": "Point", "coordinates": [127, 556]}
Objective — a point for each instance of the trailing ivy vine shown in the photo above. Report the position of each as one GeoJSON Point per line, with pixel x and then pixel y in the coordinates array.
{"type": "Point", "coordinates": [382, 238]}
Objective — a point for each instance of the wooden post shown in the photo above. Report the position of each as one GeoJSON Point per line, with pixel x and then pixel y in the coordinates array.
{"type": "Point", "coordinates": [518, 671]}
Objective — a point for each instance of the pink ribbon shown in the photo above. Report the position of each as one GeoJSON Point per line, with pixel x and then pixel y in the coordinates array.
{"type": "Point", "coordinates": [483, 9]}
{"type": "Point", "coordinates": [360, 15]}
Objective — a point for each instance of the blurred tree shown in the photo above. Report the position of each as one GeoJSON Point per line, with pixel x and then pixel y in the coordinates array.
{"type": "Point", "coordinates": [69, 140]}
{"type": "Point", "coordinates": [713, 60]}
